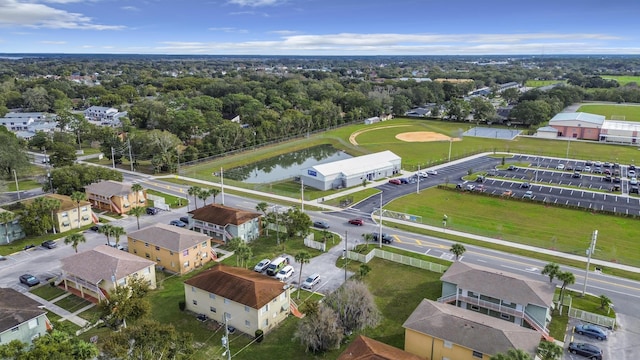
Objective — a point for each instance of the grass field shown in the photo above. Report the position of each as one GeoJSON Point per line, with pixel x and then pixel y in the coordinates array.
{"type": "Point", "coordinates": [528, 223]}
{"type": "Point", "coordinates": [630, 112]}
{"type": "Point", "coordinates": [623, 80]}
{"type": "Point", "coordinates": [540, 83]}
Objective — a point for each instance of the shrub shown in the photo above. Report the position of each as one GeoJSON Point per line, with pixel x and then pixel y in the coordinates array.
{"type": "Point", "coordinates": [182, 305]}
{"type": "Point", "coordinates": [259, 335]}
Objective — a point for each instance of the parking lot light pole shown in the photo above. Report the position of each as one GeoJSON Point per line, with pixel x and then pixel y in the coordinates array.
{"type": "Point", "coordinates": [418, 182]}
{"type": "Point", "coordinates": [15, 177]}
{"type": "Point", "coordinates": [380, 228]}
{"type": "Point", "coordinates": [590, 250]}
{"type": "Point", "coordinates": [450, 142]}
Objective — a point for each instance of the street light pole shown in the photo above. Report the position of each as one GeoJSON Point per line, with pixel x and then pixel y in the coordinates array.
{"type": "Point", "coordinates": [380, 224]}
{"type": "Point", "coordinates": [418, 186]}
{"type": "Point", "coordinates": [568, 144]}
{"type": "Point", "coordinates": [15, 177]}
{"type": "Point", "coordinates": [450, 142]}
{"type": "Point", "coordinates": [590, 250]}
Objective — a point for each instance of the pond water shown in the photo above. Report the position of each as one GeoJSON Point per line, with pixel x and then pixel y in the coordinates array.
{"type": "Point", "coordinates": [285, 166]}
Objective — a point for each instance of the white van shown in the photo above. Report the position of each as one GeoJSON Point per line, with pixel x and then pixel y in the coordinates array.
{"type": "Point", "coordinates": [276, 265]}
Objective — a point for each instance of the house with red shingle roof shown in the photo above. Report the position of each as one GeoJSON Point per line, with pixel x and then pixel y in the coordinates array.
{"type": "Point", "coordinates": [364, 348]}
{"type": "Point", "coordinates": [247, 300]}
{"type": "Point", "coordinates": [224, 223]}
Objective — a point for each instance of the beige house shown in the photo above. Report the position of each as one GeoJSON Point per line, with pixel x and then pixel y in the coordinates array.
{"type": "Point", "coordinates": [224, 223]}
{"type": "Point", "coordinates": [364, 348]}
{"type": "Point", "coordinates": [246, 299]}
{"type": "Point", "coordinates": [66, 218]}
{"type": "Point", "coordinates": [115, 196]}
{"type": "Point", "coordinates": [93, 274]}
{"type": "Point", "coordinates": [175, 249]}
{"type": "Point", "coordinates": [442, 331]}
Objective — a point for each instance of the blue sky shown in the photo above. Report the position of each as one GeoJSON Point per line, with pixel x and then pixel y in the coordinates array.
{"type": "Point", "coordinates": [321, 27]}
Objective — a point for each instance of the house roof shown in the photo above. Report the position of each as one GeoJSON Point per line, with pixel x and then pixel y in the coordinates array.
{"type": "Point", "coordinates": [16, 308]}
{"type": "Point", "coordinates": [364, 348]}
{"type": "Point", "coordinates": [548, 129]}
{"type": "Point", "coordinates": [223, 215]}
{"type": "Point", "coordinates": [108, 188]}
{"type": "Point", "coordinates": [578, 116]}
{"type": "Point", "coordinates": [476, 331]}
{"type": "Point", "coordinates": [506, 286]}
{"type": "Point", "coordinates": [243, 286]}
{"type": "Point", "coordinates": [621, 125]}
{"type": "Point", "coordinates": [357, 165]}
{"type": "Point", "coordinates": [65, 201]}
{"type": "Point", "coordinates": [169, 237]}
{"type": "Point", "coordinates": [102, 263]}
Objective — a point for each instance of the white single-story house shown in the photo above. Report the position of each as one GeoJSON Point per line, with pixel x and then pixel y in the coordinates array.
{"type": "Point", "coordinates": [351, 172]}
{"type": "Point", "coordinates": [100, 113]}
{"type": "Point", "coordinates": [547, 132]}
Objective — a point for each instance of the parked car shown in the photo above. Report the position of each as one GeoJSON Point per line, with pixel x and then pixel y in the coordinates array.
{"type": "Point", "coordinates": [358, 222]}
{"type": "Point", "coordinates": [395, 182]}
{"type": "Point", "coordinates": [576, 174]}
{"type": "Point", "coordinates": [480, 178]}
{"type": "Point", "coordinates": [95, 228]}
{"type": "Point", "coordinates": [579, 168]}
{"type": "Point", "coordinates": [525, 185]}
{"type": "Point", "coordinates": [311, 281]}
{"type": "Point", "coordinates": [184, 219]}
{"type": "Point", "coordinates": [632, 167]}
{"type": "Point", "coordinates": [470, 187]}
{"type": "Point", "coordinates": [321, 224]}
{"type": "Point", "coordinates": [617, 179]}
{"type": "Point", "coordinates": [607, 178]}
{"type": "Point", "coordinates": [511, 168]}
{"type": "Point", "coordinates": [285, 273]}
{"type": "Point", "coordinates": [507, 193]}
{"type": "Point", "coordinates": [152, 210]}
{"type": "Point", "coordinates": [633, 181]}
{"type": "Point", "coordinates": [49, 244]}
{"type": "Point", "coordinates": [118, 246]}
{"type": "Point", "coordinates": [479, 188]}
{"type": "Point", "coordinates": [29, 280]}
{"type": "Point", "coordinates": [588, 163]}
{"type": "Point", "coordinates": [432, 172]}
{"type": "Point", "coordinates": [262, 265]}
{"type": "Point", "coordinates": [587, 350]}
{"type": "Point", "coordinates": [632, 189]}
{"type": "Point", "coordinates": [587, 169]}
{"type": "Point", "coordinates": [177, 223]}
{"type": "Point", "coordinates": [528, 195]}
{"type": "Point", "coordinates": [422, 174]}
{"type": "Point", "coordinates": [560, 167]}
{"type": "Point", "coordinates": [631, 173]}
{"type": "Point", "coordinates": [597, 170]}
{"type": "Point", "coordinates": [386, 238]}
{"type": "Point", "coordinates": [591, 331]}
{"type": "Point", "coordinates": [404, 180]}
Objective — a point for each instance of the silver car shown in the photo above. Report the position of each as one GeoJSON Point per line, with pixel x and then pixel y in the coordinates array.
{"type": "Point", "coordinates": [262, 265]}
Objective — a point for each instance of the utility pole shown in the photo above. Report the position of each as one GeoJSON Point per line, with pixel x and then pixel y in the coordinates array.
{"type": "Point", "coordinates": [590, 250]}
{"type": "Point", "coordinates": [130, 157]}
{"type": "Point", "coordinates": [450, 142]}
{"type": "Point", "coordinates": [225, 339]}
{"type": "Point", "coordinates": [380, 223]}
{"type": "Point", "coordinates": [346, 239]}
{"type": "Point", "coordinates": [113, 159]}
{"type": "Point", "coordinates": [302, 194]}
{"type": "Point", "coordinates": [15, 177]}
{"type": "Point", "coordinates": [222, 185]}
{"type": "Point", "coordinates": [418, 176]}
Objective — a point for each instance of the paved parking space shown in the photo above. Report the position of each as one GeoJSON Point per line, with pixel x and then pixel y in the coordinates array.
{"type": "Point", "coordinates": [605, 345]}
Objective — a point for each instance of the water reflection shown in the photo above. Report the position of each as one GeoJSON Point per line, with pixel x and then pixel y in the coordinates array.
{"type": "Point", "coordinates": [286, 165]}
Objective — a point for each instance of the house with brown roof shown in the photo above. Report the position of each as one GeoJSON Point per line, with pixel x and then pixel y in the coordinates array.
{"type": "Point", "coordinates": [364, 348]}
{"type": "Point", "coordinates": [94, 273]}
{"type": "Point", "coordinates": [442, 331]}
{"type": "Point", "coordinates": [21, 318]}
{"type": "Point", "coordinates": [175, 249]}
{"type": "Point", "coordinates": [115, 196]}
{"type": "Point", "coordinates": [507, 296]}
{"type": "Point", "coordinates": [223, 223]}
{"type": "Point", "coordinates": [245, 299]}
{"type": "Point", "coordinates": [67, 216]}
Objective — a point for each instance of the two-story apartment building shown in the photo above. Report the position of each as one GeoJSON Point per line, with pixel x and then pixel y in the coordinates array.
{"type": "Point", "coordinates": [67, 216]}
{"type": "Point", "coordinates": [223, 223]}
{"type": "Point", "coordinates": [93, 274]}
{"type": "Point", "coordinates": [175, 249]}
{"type": "Point", "coordinates": [364, 348]}
{"type": "Point", "coordinates": [243, 298]}
{"type": "Point", "coordinates": [99, 113]}
{"type": "Point", "coordinates": [442, 331]}
{"type": "Point", "coordinates": [115, 196]}
{"type": "Point", "coordinates": [21, 318]}
{"type": "Point", "coordinates": [509, 297]}
{"type": "Point", "coordinates": [11, 230]}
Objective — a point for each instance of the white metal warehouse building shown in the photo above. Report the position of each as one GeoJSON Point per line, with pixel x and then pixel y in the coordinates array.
{"type": "Point", "coordinates": [350, 172]}
{"type": "Point", "coordinates": [625, 132]}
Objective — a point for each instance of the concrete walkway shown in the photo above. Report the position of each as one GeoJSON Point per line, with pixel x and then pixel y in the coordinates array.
{"type": "Point", "coordinates": [64, 314]}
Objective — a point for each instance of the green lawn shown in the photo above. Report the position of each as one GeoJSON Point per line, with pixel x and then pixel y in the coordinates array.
{"type": "Point", "coordinates": [48, 292]}
{"type": "Point", "coordinates": [630, 112]}
{"type": "Point", "coordinates": [24, 184]}
{"type": "Point", "coordinates": [173, 201]}
{"type": "Point", "coordinates": [623, 80]}
{"type": "Point", "coordinates": [72, 303]}
{"type": "Point", "coordinates": [526, 223]}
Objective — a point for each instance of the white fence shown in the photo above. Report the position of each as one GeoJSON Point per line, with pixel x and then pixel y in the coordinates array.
{"type": "Point", "coordinates": [586, 316]}
{"type": "Point", "coordinates": [309, 242]}
{"type": "Point", "coordinates": [158, 201]}
{"type": "Point", "coordinates": [402, 259]}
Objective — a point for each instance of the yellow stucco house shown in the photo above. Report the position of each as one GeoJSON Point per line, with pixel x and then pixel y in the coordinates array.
{"type": "Point", "coordinates": [114, 196]}
{"type": "Point", "coordinates": [246, 299]}
{"type": "Point", "coordinates": [66, 218]}
{"type": "Point", "coordinates": [175, 249]}
{"type": "Point", "coordinates": [94, 273]}
{"type": "Point", "coordinates": [440, 331]}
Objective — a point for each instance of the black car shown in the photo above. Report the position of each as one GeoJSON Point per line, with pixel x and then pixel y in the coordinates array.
{"type": "Point", "coordinates": [29, 280]}
{"type": "Point", "coordinates": [587, 350]}
{"type": "Point", "coordinates": [95, 228]}
{"type": "Point", "coordinates": [152, 210]}
{"type": "Point", "coordinates": [184, 219]}
{"type": "Point", "coordinates": [49, 244]}
{"type": "Point", "coordinates": [321, 224]}
{"type": "Point", "coordinates": [525, 185]}
{"type": "Point", "coordinates": [511, 167]}
{"type": "Point", "coordinates": [386, 238]}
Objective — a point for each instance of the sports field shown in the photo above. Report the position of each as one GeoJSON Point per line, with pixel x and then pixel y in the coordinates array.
{"type": "Point", "coordinates": [540, 83]}
{"type": "Point", "coordinates": [624, 80]}
{"type": "Point", "coordinates": [630, 112]}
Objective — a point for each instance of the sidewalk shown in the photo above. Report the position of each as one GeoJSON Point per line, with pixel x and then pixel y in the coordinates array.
{"type": "Point", "coordinates": [64, 314]}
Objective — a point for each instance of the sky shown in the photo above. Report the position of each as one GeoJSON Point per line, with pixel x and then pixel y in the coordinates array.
{"type": "Point", "coordinates": [321, 27]}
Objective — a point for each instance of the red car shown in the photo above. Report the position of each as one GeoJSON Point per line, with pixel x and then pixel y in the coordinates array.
{"type": "Point", "coordinates": [395, 181]}
{"type": "Point", "coordinates": [358, 222]}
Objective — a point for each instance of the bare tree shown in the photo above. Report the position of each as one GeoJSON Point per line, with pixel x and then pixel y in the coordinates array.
{"type": "Point", "coordinates": [320, 330]}
{"type": "Point", "coordinates": [355, 306]}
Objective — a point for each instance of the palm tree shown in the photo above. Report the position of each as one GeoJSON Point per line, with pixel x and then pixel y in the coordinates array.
{"type": "Point", "coordinates": [194, 191]}
{"type": "Point", "coordinates": [106, 230]}
{"type": "Point", "coordinates": [512, 354]}
{"type": "Point", "coordinates": [137, 212]}
{"type": "Point", "coordinates": [203, 194]}
{"type": "Point", "coordinates": [567, 278]}
{"type": "Point", "coordinates": [5, 218]}
{"type": "Point", "coordinates": [118, 231]}
{"type": "Point", "coordinates": [214, 192]}
{"type": "Point", "coordinates": [137, 188]}
{"type": "Point", "coordinates": [303, 257]}
{"type": "Point", "coordinates": [548, 350]}
{"type": "Point", "coordinates": [78, 197]}
{"type": "Point", "coordinates": [363, 270]}
{"type": "Point", "coordinates": [52, 205]}
{"type": "Point", "coordinates": [552, 270]}
{"type": "Point", "coordinates": [262, 207]}
{"type": "Point", "coordinates": [244, 253]}
{"type": "Point", "coordinates": [75, 239]}
{"type": "Point", "coordinates": [605, 302]}
{"type": "Point", "coordinates": [457, 250]}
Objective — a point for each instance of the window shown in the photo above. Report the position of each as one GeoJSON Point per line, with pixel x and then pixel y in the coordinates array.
{"type": "Point", "coordinates": [227, 316]}
{"type": "Point", "coordinates": [448, 344]}
{"type": "Point", "coordinates": [195, 302]}
{"type": "Point", "coordinates": [158, 259]}
{"type": "Point", "coordinates": [475, 308]}
{"type": "Point", "coordinates": [186, 264]}
{"type": "Point", "coordinates": [193, 289]}
{"type": "Point", "coordinates": [85, 217]}
{"type": "Point", "coordinates": [247, 323]}
{"type": "Point", "coordinates": [170, 252]}
{"type": "Point", "coordinates": [266, 322]}
{"type": "Point", "coordinates": [146, 244]}
{"type": "Point", "coordinates": [64, 214]}
{"type": "Point", "coordinates": [158, 248]}
{"type": "Point", "coordinates": [212, 309]}
{"type": "Point", "coordinates": [14, 329]}
{"type": "Point", "coordinates": [283, 296]}
{"type": "Point", "coordinates": [65, 223]}
{"type": "Point", "coordinates": [185, 252]}
{"type": "Point", "coordinates": [505, 316]}
{"type": "Point", "coordinates": [265, 309]}
{"type": "Point", "coordinates": [226, 301]}
{"type": "Point", "coordinates": [477, 354]}
{"type": "Point", "coordinates": [147, 255]}
{"type": "Point", "coordinates": [212, 296]}
{"type": "Point", "coordinates": [204, 244]}
{"type": "Point", "coordinates": [246, 308]}
{"type": "Point", "coordinates": [135, 251]}
{"type": "Point", "coordinates": [195, 247]}
{"type": "Point", "coordinates": [84, 208]}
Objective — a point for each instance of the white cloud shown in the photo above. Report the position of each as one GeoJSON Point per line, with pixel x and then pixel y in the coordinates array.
{"type": "Point", "coordinates": [283, 32]}
{"type": "Point", "coordinates": [229, 30]}
{"type": "Point", "coordinates": [129, 8]}
{"type": "Point", "coordinates": [256, 3]}
{"type": "Point", "coordinates": [51, 42]}
{"type": "Point", "coordinates": [14, 13]}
